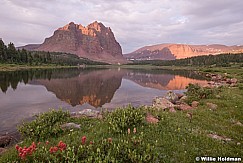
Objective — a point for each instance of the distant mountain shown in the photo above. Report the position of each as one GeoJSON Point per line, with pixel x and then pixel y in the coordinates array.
{"type": "Point", "coordinates": [95, 42]}
{"type": "Point", "coordinates": [179, 51]}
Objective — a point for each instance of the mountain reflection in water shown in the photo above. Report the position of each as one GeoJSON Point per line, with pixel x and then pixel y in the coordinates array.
{"type": "Point", "coordinates": [26, 93]}
{"type": "Point", "coordinates": [96, 86]}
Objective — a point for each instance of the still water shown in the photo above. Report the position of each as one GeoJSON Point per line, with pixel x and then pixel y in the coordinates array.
{"type": "Point", "coordinates": [26, 93]}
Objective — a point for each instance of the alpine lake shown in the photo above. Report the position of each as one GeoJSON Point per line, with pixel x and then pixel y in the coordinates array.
{"type": "Point", "coordinates": [26, 93]}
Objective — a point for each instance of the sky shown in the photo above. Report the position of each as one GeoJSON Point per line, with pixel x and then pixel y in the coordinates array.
{"type": "Point", "coordinates": [135, 23]}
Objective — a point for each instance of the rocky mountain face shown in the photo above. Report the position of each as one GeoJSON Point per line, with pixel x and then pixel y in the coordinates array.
{"type": "Point", "coordinates": [179, 51]}
{"type": "Point", "coordinates": [95, 42]}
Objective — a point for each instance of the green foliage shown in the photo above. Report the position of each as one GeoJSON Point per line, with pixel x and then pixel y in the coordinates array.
{"type": "Point", "coordinates": [122, 119]}
{"type": "Point", "coordinates": [196, 92]}
{"type": "Point", "coordinates": [9, 54]}
{"type": "Point", "coordinates": [45, 125]}
{"type": "Point", "coordinates": [222, 60]}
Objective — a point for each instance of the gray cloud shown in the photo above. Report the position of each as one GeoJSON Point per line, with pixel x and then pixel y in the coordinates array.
{"type": "Point", "coordinates": [135, 23]}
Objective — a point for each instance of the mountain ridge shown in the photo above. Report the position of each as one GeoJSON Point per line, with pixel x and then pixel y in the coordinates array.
{"type": "Point", "coordinates": [95, 42]}
{"type": "Point", "coordinates": [170, 51]}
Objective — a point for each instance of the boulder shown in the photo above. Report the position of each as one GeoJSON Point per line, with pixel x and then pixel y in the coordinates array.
{"type": "Point", "coordinates": [171, 96]}
{"type": "Point", "coordinates": [183, 99]}
{"type": "Point", "coordinates": [162, 103]}
{"type": "Point", "coordinates": [151, 119]}
{"type": "Point", "coordinates": [233, 80]}
{"type": "Point", "coordinates": [195, 104]}
{"type": "Point", "coordinates": [172, 110]}
{"type": "Point", "coordinates": [70, 126]}
{"type": "Point", "coordinates": [184, 107]}
{"type": "Point", "coordinates": [87, 113]}
{"type": "Point", "coordinates": [5, 140]}
{"type": "Point", "coordinates": [212, 106]}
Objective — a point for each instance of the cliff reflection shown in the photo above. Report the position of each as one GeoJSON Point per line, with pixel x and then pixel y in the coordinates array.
{"type": "Point", "coordinates": [93, 87]}
{"type": "Point", "coordinates": [96, 86]}
{"type": "Point", "coordinates": [165, 79]}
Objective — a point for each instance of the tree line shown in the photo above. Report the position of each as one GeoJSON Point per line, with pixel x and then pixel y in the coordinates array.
{"type": "Point", "coordinates": [9, 54]}
{"type": "Point", "coordinates": [223, 60]}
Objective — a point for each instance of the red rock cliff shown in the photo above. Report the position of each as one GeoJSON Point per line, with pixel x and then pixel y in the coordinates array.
{"type": "Point", "coordinates": [95, 42]}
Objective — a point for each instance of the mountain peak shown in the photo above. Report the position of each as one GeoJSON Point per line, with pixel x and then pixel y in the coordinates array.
{"type": "Point", "coordinates": [95, 42]}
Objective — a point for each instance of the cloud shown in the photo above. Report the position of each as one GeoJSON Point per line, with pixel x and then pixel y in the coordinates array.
{"type": "Point", "coordinates": [135, 23]}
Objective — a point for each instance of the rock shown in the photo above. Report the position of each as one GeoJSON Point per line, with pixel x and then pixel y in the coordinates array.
{"type": "Point", "coordinates": [172, 110]}
{"type": "Point", "coordinates": [183, 99]}
{"type": "Point", "coordinates": [177, 51]}
{"type": "Point", "coordinates": [151, 119]}
{"type": "Point", "coordinates": [162, 103]}
{"type": "Point", "coordinates": [88, 113]}
{"type": "Point", "coordinates": [70, 126]}
{"type": "Point", "coordinates": [179, 95]}
{"type": "Point", "coordinates": [212, 106]}
{"type": "Point", "coordinates": [233, 80]}
{"type": "Point", "coordinates": [195, 104]}
{"type": "Point", "coordinates": [184, 107]}
{"type": "Point", "coordinates": [5, 140]}
{"type": "Point", "coordinates": [171, 96]}
{"type": "Point", "coordinates": [214, 136]}
{"type": "Point", "coordinates": [95, 42]}
{"type": "Point", "coordinates": [239, 123]}
{"type": "Point", "coordinates": [218, 96]}
{"type": "Point", "coordinates": [2, 150]}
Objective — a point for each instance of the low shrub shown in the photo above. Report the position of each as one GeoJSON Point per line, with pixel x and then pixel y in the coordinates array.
{"type": "Point", "coordinates": [195, 92]}
{"type": "Point", "coordinates": [44, 126]}
{"type": "Point", "coordinates": [122, 119]}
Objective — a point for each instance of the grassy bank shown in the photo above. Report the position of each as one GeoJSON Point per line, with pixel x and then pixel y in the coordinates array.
{"type": "Point", "coordinates": [14, 67]}
{"type": "Point", "coordinates": [174, 139]}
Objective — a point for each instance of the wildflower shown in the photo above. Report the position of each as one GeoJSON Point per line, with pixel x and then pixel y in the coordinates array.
{"type": "Point", "coordinates": [134, 130]}
{"type": "Point", "coordinates": [47, 142]}
{"type": "Point", "coordinates": [17, 147]}
{"type": "Point", "coordinates": [53, 149]}
{"type": "Point", "coordinates": [109, 140]}
{"type": "Point", "coordinates": [83, 140]}
{"type": "Point", "coordinates": [39, 143]}
{"type": "Point", "coordinates": [62, 146]}
{"type": "Point", "coordinates": [90, 142]}
{"type": "Point", "coordinates": [128, 131]}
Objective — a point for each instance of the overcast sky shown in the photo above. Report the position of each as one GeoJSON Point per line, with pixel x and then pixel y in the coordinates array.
{"type": "Point", "coordinates": [135, 23]}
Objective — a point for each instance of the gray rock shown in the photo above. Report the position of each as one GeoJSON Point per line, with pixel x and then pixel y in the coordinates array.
{"type": "Point", "coordinates": [183, 99]}
{"type": "Point", "coordinates": [87, 113]}
{"type": "Point", "coordinates": [171, 96]}
{"type": "Point", "coordinates": [162, 103]}
{"type": "Point", "coordinates": [70, 126]}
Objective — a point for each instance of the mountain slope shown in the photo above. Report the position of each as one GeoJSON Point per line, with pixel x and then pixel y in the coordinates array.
{"type": "Point", "coordinates": [95, 42]}
{"type": "Point", "coordinates": [179, 51]}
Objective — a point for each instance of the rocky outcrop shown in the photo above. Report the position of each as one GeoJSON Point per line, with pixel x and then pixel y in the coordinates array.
{"type": "Point", "coordinates": [179, 51]}
{"type": "Point", "coordinates": [95, 42]}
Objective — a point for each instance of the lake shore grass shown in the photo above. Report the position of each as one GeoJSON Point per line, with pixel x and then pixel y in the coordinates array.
{"type": "Point", "coordinates": [15, 67]}
{"type": "Point", "coordinates": [175, 138]}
